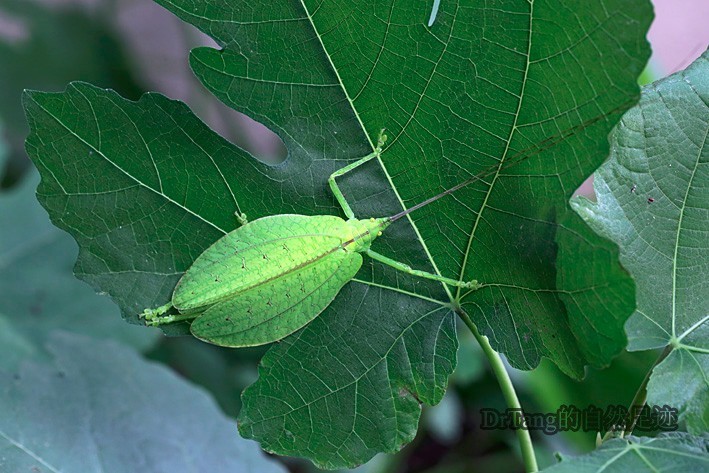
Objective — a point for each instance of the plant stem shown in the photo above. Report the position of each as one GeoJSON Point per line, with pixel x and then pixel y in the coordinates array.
{"type": "Point", "coordinates": [508, 391]}
{"type": "Point", "coordinates": [641, 394]}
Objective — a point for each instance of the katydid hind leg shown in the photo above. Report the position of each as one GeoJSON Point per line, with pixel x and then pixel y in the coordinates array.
{"type": "Point", "coordinates": [403, 267]}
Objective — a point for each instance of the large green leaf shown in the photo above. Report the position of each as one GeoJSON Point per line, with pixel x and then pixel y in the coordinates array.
{"type": "Point", "coordinates": [674, 452]}
{"type": "Point", "coordinates": [145, 187]}
{"type": "Point", "coordinates": [99, 407]}
{"type": "Point", "coordinates": [39, 292]}
{"type": "Point", "coordinates": [653, 201]}
{"type": "Point", "coordinates": [481, 86]}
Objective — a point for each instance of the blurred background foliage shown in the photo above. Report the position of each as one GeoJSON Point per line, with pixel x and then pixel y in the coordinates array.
{"type": "Point", "coordinates": [134, 46]}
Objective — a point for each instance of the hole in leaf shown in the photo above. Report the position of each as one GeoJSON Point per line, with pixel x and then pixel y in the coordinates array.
{"type": "Point", "coordinates": [249, 135]}
{"type": "Point", "coordinates": [159, 41]}
{"type": "Point", "coordinates": [586, 189]}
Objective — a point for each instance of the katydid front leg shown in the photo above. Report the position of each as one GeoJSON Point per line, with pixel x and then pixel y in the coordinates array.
{"type": "Point", "coordinates": [333, 183]}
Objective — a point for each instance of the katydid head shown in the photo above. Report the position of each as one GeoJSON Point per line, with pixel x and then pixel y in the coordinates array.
{"type": "Point", "coordinates": [363, 232]}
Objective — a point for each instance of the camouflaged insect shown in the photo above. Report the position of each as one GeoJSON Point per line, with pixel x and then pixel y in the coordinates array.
{"type": "Point", "coordinates": [270, 277]}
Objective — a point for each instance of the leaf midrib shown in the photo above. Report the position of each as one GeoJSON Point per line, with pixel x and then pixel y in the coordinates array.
{"type": "Point", "coordinates": [679, 231]}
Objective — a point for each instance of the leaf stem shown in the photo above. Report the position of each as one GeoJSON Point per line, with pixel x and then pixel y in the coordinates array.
{"type": "Point", "coordinates": [508, 391]}
{"type": "Point", "coordinates": [641, 394]}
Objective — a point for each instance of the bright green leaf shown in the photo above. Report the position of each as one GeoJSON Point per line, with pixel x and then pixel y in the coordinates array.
{"type": "Point", "coordinates": [145, 188]}
{"type": "Point", "coordinates": [99, 407]}
{"type": "Point", "coordinates": [674, 452]}
{"type": "Point", "coordinates": [653, 201]}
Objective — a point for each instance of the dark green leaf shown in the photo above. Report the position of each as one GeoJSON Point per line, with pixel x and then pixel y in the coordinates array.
{"type": "Point", "coordinates": [145, 187]}
{"type": "Point", "coordinates": [480, 87]}
{"type": "Point", "coordinates": [149, 226]}
{"type": "Point", "coordinates": [653, 201]}
{"type": "Point", "coordinates": [99, 407]}
{"type": "Point", "coordinates": [597, 307]}
{"type": "Point", "coordinates": [674, 452]}
{"type": "Point", "coordinates": [361, 393]}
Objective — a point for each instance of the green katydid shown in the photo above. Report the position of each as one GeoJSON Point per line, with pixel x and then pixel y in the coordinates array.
{"type": "Point", "coordinates": [271, 277]}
